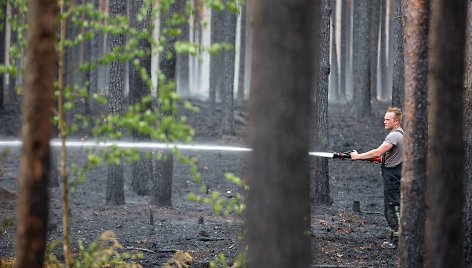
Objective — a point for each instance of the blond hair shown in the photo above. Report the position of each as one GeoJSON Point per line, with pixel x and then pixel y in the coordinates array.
{"type": "Point", "coordinates": [397, 112]}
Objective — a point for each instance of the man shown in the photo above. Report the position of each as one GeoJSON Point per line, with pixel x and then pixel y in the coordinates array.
{"type": "Point", "coordinates": [391, 151]}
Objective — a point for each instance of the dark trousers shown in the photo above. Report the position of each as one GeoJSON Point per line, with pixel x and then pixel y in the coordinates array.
{"type": "Point", "coordinates": [391, 180]}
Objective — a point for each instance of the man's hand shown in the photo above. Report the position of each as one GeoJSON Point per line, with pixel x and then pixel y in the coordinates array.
{"type": "Point", "coordinates": [354, 155]}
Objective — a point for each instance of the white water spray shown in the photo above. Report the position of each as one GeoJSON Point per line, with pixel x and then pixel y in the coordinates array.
{"type": "Point", "coordinates": [135, 145]}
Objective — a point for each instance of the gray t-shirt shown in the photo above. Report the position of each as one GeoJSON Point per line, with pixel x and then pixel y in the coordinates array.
{"type": "Point", "coordinates": [394, 156]}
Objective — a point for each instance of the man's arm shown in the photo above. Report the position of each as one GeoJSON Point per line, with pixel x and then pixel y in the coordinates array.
{"type": "Point", "coordinates": [383, 148]}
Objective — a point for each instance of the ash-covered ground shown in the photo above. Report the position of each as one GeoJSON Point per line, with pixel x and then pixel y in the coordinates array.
{"type": "Point", "coordinates": [341, 237]}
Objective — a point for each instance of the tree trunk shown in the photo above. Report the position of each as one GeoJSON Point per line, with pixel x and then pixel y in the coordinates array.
{"type": "Point", "coordinates": [162, 187]}
{"type": "Point", "coordinates": [183, 63]}
{"type": "Point", "coordinates": [345, 49]}
{"type": "Point", "coordinates": [162, 183]}
{"type": "Point", "coordinates": [333, 71]}
{"type": "Point", "coordinates": [318, 165]}
{"type": "Point", "coordinates": [413, 186]}
{"type": "Point", "coordinates": [216, 64]}
{"type": "Point", "coordinates": [374, 47]}
{"type": "Point", "coordinates": [3, 8]}
{"type": "Point", "coordinates": [383, 56]}
{"type": "Point", "coordinates": [94, 56]}
{"type": "Point", "coordinates": [229, 37]}
{"type": "Point", "coordinates": [142, 169]}
{"type": "Point", "coordinates": [360, 58]}
{"type": "Point", "coordinates": [115, 183]}
{"type": "Point", "coordinates": [283, 36]}
{"type": "Point", "coordinates": [32, 211]}
{"type": "Point", "coordinates": [242, 54]}
{"type": "Point", "coordinates": [446, 152]}
{"type": "Point", "coordinates": [398, 88]}
{"type": "Point", "coordinates": [468, 139]}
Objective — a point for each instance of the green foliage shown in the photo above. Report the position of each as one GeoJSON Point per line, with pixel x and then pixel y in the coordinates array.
{"type": "Point", "coordinates": [106, 252]}
{"type": "Point", "coordinates": [180, 259]}
{"type": "Point", "coordinates": [6, 224]}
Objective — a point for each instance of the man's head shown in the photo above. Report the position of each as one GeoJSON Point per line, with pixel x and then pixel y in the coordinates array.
{"type": "Point", "coordinates": [393, 118]}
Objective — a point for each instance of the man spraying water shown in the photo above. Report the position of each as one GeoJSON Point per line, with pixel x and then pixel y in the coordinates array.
{"type": "Point", "coordinates": [390, 151]}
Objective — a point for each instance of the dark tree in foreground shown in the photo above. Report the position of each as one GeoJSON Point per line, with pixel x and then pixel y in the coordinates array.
{"type": "Point", "coordinates": [413, 186]}
{"type": "Point", "coordinates": [278, 210]}
{"type": "Point", "coordinates": [468, 139]}
{"type": "Point", "coordinates": [319, 179]}
{"type": "Point", "coordinates": [141, 169]}
{"type": "Point", "coordinates": [32, 210]}
{"type": "Point", "coordinates": [398, 84]}
{"type": "Point", "coordinates": [360, 58]}
{"type": "Point", "coordinates": [446, 147]}
{"type": "Point", "coordinates": [115, 183]}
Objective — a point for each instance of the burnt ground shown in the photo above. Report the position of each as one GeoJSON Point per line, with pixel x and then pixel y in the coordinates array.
{"type": "Point", "coordinates": [341, 237]}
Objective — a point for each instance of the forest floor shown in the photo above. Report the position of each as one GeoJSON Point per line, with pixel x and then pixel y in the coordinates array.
{"type": "Point", "coordinates": [341, 237]}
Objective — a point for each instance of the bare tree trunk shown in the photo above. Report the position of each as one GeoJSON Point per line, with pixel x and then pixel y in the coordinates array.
{"type": "Point", "coordinates": [345, 49]}
{"type": "Point", "coordinates": [398, 88]}
{"type": "Point", "coordinates": [383, 56]}
{"type": "Point", "coordinates": [142, 169]}
{"type": "Point", "coordinates": [115, 182]}
{"type": "Point", "coordinates": [33, 200]}
{"type": "Point", "coordinates": [374, 46]}
{"type": "Point", "coordinates": [319, 166]}
{"type": "Point", "coordinates": [446, 150]}
{"type": "Point", "coordinates": [3, 8]}
{"type": "Point", "coordinates": [229, 37]}
{"type": "Point", "coordinates": [277, 156]}
{"type": "Point", "coordinates": [413, 186]}
{"type": "Point", "coordinates": [183, 64]}
{"type": "Point", "coordinates": [468, 139]}
{"type": "Point", "coordinates": [360, 58]}
{"type": "Point", "coordinates": [334, 68]}
{"type": "Point", "coordinates": [216, 65]}
{"type": "Point", "coordinates": [242, 53]}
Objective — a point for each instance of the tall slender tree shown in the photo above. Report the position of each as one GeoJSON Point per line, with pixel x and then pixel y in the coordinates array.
{"type": "Point", "coordinates": [383, 56]}
{"type": "Point", "coordinates": [334, 67]}
{"type": "Point", "coordinates": [33, 200]}
{"type": "Point", "coordinates": [446, 232]}
{"type": "Point", "coordinates": [319, 179]}
{"type": "Point", "coordinates": [360, 58]}
{"type": "Point", "coordinates": [374, 47]}
{"type": "Point", "coordinates": [183, 61]}
{"type": "Point", "coordinates": [3, 19]}
{"type": "Point", "coordinates": [345, 55]}
{"type": "Point", "coordinates": [283, 36]}
{"type": "Point", "coordinates": [115, 183]}
{"type": "Point", "coordinates": [242, 54]}
{"type": "Point", "coordinates": [162, 182]}
{"type": "Point", "coordinates": [413, 186]}
{"type": "Point", "coordinates": [398, 84]}
{"type": "Point", "coordinates": [468, 140]}
{"type": "Point", "coordinates": [141, 169]}
{"type": "Point", "coordinates": [216, 64]}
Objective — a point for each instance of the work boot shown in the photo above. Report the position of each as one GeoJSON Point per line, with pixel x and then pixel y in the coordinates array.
{"type": "Point", "coordinates": [393, 242]}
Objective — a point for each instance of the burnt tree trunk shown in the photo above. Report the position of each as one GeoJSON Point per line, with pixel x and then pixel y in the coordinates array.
{"type": "Point", "coordinates": [334, 67]}
{"type": "Point", "coordinates": [398, 82]}
{"type": "Point", "coordinates": [229, 37]}
{"type": "Point", "coordinates": [164, 162]}
{"type": "Point", "coordinates": [345, 55]}
{"type": "Point", "coordinates": [141, 170]}
{"type": "Point", "coordinates": [216, 64]}
{"type": "Point", "coordinates": [413, 186]}
{"type": "Point", "coordinates": [446, 232]}
{"type": "Point", "coordinates": [468, 139]}
{"type": "Point", "coordinates": [319, 179]}
{"type": "Point", "coordinates": [183, 63]}
{"type": "Point", "coordinates": [115, 183]}
{"type": "Point", "coordinates": [383, 56]}
{"type": "Point", "coordinates": [374, 47]}
{"type": "Point", "coordinates": [360, 58]}
{"type": "Point", "coordinates": [242, 54]}
{"type": "Point", "coordinates": [33, 200]}
{"type": "Point", "coordinates": [278, 156]}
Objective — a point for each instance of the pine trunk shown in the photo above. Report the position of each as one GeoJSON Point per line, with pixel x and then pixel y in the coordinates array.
{"type": "Point", "coordinates": [413, 186]}
{"type": "Point", "coordinates": [398, 82]}
{"type": "Point", "coordinates": [33, 200]}
{"type": "Point", "coordinates": [446, 152]}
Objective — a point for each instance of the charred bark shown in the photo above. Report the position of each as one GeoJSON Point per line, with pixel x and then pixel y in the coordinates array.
{"type": "Point", "coordinates": [398, 82]}
{"type": "Point", "coordinates": [446, 232]}
{"type": "Point", "coordinates": [413, 186]}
